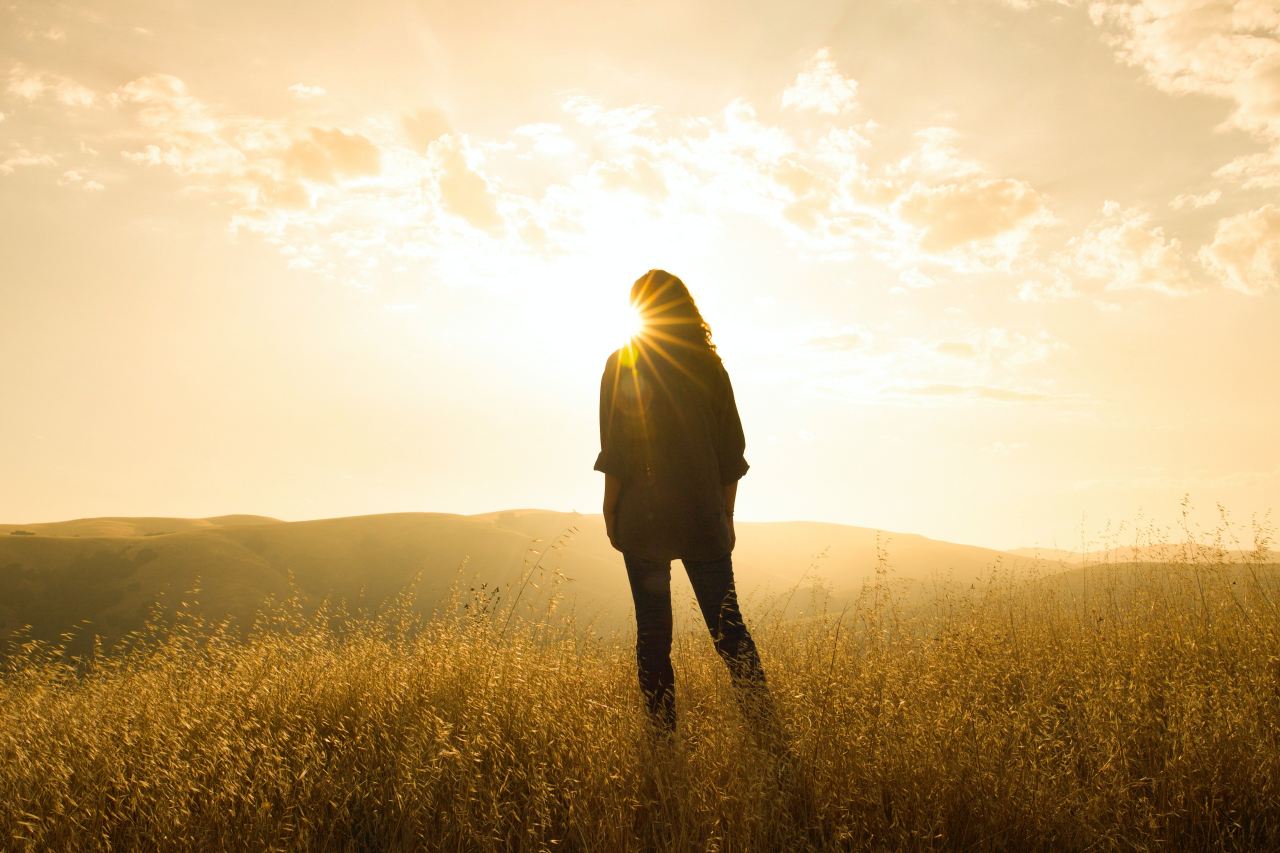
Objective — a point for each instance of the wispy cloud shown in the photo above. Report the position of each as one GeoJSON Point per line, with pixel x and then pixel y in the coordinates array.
{"type": "Point", "coordinates": [30, 86]}
{"type": "Point", "coordinates": [968, 392]}
{"type": "Point", "coordinates": [820, 87]}
{"type": "Point", "coordinates": [1123, 250]}
{"type": "Point", "coordinates": [1245, 252]}
{"type": "Point", "coordinates": [306, 92]}
{"type": "Point", "coordinates": [18, 158]}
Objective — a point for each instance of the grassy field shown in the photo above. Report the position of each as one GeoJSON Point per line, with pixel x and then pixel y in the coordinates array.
{"type": "Point", "coordinates": [1137, 707]}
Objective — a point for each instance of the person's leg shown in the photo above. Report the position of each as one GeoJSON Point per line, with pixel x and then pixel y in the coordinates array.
{"type": "Point", "coordinates": [651, 591]}
{"type": "Point", "coordinates": [712, 582]}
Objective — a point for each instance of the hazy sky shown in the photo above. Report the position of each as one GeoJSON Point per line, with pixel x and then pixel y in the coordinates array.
{"type": "Point", "coordinates": [991, 272]}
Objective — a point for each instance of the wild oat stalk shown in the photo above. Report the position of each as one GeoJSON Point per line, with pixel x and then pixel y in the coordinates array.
{"type": "Point", "coordinates": [1023, 714]}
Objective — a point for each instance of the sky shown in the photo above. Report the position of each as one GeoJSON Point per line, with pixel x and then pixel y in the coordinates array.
{"type": "Point", "coordinates": [1003, 273]}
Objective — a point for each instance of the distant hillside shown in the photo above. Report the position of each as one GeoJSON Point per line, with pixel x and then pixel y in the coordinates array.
{"type": "Point", "coordinates": [1108, 588]}
{"type": "Point", "coordinates": [113, 527]}
{"type": "Point", "coordinates": [1157, 553]}
{"type": "Point", "coordinates": [108, 572]}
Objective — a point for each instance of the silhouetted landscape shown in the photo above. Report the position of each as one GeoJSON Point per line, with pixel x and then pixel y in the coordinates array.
{"type": "Point", "coordinates": [105, 576]}
{"type": "Point", "coordinates": [388, 679]}
{"type": "Point", "coordinates": [939, 337]}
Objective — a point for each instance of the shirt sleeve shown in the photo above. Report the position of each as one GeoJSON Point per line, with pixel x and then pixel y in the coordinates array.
{"type": "Point", "coordinates": [612, 458]}
{"type": "Point", "coordinates": [730, 442]}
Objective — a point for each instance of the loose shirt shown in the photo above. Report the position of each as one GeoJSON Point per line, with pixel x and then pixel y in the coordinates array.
{"type": "Point", "coordinates": [670, 431]}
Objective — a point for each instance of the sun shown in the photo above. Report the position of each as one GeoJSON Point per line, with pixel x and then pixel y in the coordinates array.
{"type": "Point", "coordinates": [578, 314]}
{"type": "Point", "coordinates": [610, 324]}
{"type": "Point", "coordinates": [612, 319]}
{"type": "Point", "coordinates": [626, 324]}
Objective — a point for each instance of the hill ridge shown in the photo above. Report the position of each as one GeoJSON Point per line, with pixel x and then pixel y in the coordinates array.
{"type": "Point", "coordinates": [110, 571]}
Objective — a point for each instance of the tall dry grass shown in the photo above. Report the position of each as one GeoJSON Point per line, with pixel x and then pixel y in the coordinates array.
{"type": "Point", "coordinates": [1018, 714]}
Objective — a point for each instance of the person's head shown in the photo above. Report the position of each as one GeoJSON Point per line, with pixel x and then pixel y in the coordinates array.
{"type": "Point", "coordinates": [669, 315]}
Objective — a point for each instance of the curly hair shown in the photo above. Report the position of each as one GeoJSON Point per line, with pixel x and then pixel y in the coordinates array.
{"type": "Point", "coordinates": [669, 313]}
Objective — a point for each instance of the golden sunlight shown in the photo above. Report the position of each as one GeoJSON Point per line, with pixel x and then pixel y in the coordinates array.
{"type": "Point", "coordinates": [577, 319]}
{"type": "Point", "coordinates": [325, 382]}
{"type": "Point", "coordinates": [607, 326]}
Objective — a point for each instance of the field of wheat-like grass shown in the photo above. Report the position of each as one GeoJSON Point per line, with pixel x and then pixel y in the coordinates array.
{"type": "Point", "coordinates": [1136, 708]}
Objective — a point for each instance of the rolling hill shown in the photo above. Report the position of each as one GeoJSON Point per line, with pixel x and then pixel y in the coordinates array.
{"type": "Point", "coordinates": [104, 575]}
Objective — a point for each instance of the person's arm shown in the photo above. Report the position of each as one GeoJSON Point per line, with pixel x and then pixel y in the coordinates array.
{"type": "Point", "coordinates": [611, 461]}
{"type": "Point", "coordinates": [612, 488]}
{"type": "Point", "coordinates": [730, 442]}
{"type": "Point", "coordinates": [730, 495]}
{"type": "Point", "coordinates": [730, 447]}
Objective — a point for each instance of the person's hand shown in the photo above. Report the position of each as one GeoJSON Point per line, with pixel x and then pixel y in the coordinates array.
{"type": "Point", "coordinates": [733, 534]}
{"type": "Point", "coordinates": [610, 529]}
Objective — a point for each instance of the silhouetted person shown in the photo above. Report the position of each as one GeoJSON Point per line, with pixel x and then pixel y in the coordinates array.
{"type": "Point", "coordinates": [671, 449]}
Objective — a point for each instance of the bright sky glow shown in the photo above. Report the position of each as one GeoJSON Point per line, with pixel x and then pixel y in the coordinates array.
{"type": "Point", "coordinates": [988, 271]}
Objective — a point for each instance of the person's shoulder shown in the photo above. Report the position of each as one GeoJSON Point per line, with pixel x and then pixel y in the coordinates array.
{"type": "Point", "coordinates": [619, 357]}
{"type": "Point", "coordinates": [704, 372]}
{"type": "Point", "coordinates": [724, 385]}
{"type": "Point", "coordinates": [721, 372]}
{"type": "Point", "coordinates": [627, 355]}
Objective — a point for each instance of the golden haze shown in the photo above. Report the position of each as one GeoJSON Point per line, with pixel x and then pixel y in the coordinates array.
{"type": "Point", "coordinates": [993, 272]}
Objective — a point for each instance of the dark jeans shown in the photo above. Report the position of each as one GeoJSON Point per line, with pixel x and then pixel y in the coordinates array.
{"type": "Point", "coordinates": [712, 582]}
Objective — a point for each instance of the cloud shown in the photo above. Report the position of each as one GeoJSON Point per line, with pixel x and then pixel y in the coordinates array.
{"type": "Point", "coordinates": [24, 84]}
{"type": "Point", "coordinates": [464, 192]}
{"type": "Point", "coordinates": [72, 178]}
{"type": "Point", "coordinates": [821, 88]}
{"type": "Point", "coordinates": [932, 210]}
{"type": "Point", "coordinates": [954, 209]}
{"type": "Point", "coordinates": [592, 175]}
{"type": "Point", "coordinates": [811, 192]}
{"type": "Point", "coordinates": [1058, 287]}
{"type": "Point", "coordinates": [992, 364]}
{"type": "Point", "coordinates": [34, 85]}
{"type": "Point", "coordinates": [1122, 250]}
{"type": "Point", "coordinates": [163, 101]}
{"type": "Point", "coordinates": [259, 161]}
{"type": "Point", "coordinates": [1002, 347]}
{"type": "Point", "coordinates": [1213, 47]}
{"type": "Point", "coordinates": [915, 279]}
{"type": "Point", "coordinates": [177, 130]}
{"type": "Point", "coordinates": [969, 209]}
{"type": "Point", "coordinates": [548, 138]}
{"type": "Point", "coordinates": [970, 392]}
{"type": "Point", "coordinates": [958, 349]}
{"type": "Point", "coordinates": [936, 157]}
{"type": "Point", "coordinates": [633, 173]}
{"type": "Point", "coordinates": [304, 92]}
{"type": "Point", "coordinates": [1245, 252]}
{"type": "Point", "coordinates": [344, 202]}
{"type": "Point", "coordinates": [271, 193]}
{"type": "Point", "coordinates": [425, 126]}
{"type": "Point", "coordinates": [840, 342]}
{"type": "Point", "coordinates": [613, 124]}
{"type": "Point", "coordinates": [328, 156]}
{"type": "Point", "coordinates": [1260, 170]}
{"type": "Point", "coordinates": [19, 157]}
{"type": "Point", "coordinates": [1196, 201]}
{"type": "Point", "coordinates": [1228, 49]}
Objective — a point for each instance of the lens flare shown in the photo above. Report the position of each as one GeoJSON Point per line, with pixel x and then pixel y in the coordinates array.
{"type": "Point", "coordinates": [629, 324]}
